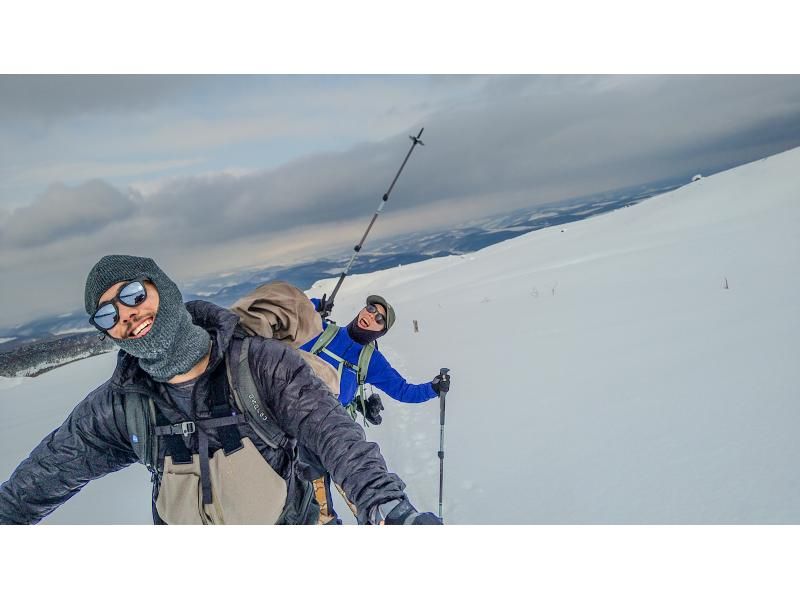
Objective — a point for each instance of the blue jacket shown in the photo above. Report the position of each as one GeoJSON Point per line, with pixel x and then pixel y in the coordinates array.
{"type": "Point", "coordinates": [380, 372]}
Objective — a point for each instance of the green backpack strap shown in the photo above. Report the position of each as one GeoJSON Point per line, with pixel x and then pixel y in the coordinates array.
{"type": "Point", "coordinates": [361, 368]}
{"type": "Point", "coordinates": [364, 357]}
{"type": "Point", "coordinates": [324, 339]}
{"type": "Point", "coordinates": [321, 344]}
{"type": "Point", "coordinates": [363, 362]}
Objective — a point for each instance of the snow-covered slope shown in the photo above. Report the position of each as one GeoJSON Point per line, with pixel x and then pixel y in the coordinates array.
{"type": "Point", "coordinates": [602, 372]}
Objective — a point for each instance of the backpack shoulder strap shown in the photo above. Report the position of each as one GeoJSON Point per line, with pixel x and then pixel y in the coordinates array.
{"type": "Point", "coordinates": [361, 376]}
{"type": "Point", "coordinates": [139, 417]}
{"type": "Point", "coordinates": [301, 510]}
{"type": "Point", "coordinates": [363, 362]}
{"type": "Point", "coordinates": [324, 339]}
{"type": "Point", "coordinates": [246, 395]}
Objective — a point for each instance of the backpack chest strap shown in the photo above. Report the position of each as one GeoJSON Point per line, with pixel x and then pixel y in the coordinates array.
{"type": "Point", "coordinates": [343, 363]}
{"type": "Point", "coordinates": [223, 418]}
{"type": "Point", "coordinates": [177, 447]}
{"type": "Point", "coordinates": [364, 356]}
{"type": "Point", "coordinates": [188, 428]}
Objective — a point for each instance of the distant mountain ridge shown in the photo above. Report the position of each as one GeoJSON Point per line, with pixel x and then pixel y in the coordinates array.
{"type": "Point", "coordinates": [59, 339]}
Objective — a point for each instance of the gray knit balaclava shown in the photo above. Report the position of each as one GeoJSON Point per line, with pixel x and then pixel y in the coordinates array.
{"type": "Point", "coordinates": [174, 344]}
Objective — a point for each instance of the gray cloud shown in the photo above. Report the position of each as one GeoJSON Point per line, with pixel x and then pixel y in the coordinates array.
{"type": "Point", "coordinates": [63, 212]}
{"type": "Point", "coordinates": [55, 97]}
{"type": "Point", "coordinates": [508, 142]}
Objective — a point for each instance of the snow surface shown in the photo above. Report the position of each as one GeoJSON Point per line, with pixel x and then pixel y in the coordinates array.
{"type": "Point", "coordinates": [73, 330]}
{"type": "Point", "coordinates": [603, 374]}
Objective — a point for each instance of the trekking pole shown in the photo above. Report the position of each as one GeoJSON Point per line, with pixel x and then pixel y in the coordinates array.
{"type": "Point", "coordinates": [415, 140]}
{"type": "Point", "coordinates": [442, 393]}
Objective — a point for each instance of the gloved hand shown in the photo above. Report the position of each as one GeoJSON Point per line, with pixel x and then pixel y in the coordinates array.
{"type": "Point", "coordinates": [405, 514]}
{"type": "Point", "coordinates": [441, 383]}
{"type": "Point", "coordinates": [325, 306]}
{"type": "Point", "coordinates": [373, 406]}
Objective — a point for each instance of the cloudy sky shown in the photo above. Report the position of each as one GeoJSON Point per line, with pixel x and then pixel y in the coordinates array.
{"type": "Point", "coordinates": [211, 173]}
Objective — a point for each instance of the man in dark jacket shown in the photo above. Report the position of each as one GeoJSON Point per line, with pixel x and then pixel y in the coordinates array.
{"type": "Point", "coordinates": [177, 354]}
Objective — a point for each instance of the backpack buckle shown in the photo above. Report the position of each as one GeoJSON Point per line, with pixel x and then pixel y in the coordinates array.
{"type": "Point", "coordinates": [185, 428]}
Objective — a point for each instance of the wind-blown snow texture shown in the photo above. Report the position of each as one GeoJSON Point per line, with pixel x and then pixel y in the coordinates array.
{"type": "Point", "coordinates": [602, 372]}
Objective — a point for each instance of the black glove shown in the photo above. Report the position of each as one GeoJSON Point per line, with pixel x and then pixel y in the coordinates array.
{"type": "Point", "coordinates": [325, 306]}
{"type": "Point", "coordinates": [373, 407]}
{"type": "Point", "coordinates": [405, 514]}
{"type": "Point", "coordinates": [441, 383]}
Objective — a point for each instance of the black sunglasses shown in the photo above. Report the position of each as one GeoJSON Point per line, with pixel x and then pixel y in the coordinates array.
{"type": "Point", "coordinates": [378, 315]}
{"type": "Point", "coordinates": [107, 315]}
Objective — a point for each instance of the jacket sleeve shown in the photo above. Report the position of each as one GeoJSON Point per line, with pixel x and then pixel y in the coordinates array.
{"type": "Point", "coordinates": [389, 380]}
{"type": "Point", "coordinates": [306, 410]}
{"type": "Point", "coordinates": [89, 444]}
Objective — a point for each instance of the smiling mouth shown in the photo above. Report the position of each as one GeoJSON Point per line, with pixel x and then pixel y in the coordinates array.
{"type": "Point", "coordinates": [363, 323]}
{"type": "Point", "coordinates": [141, 329]}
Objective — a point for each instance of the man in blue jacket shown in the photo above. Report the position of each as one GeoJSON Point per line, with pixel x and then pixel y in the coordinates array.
{"type": "Point", "coordinates": [352, 351]}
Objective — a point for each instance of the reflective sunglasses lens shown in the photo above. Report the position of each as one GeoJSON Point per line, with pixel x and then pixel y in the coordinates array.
{"type": "Point", "coordinates": [106, 316]}
{"type": "Point", "coordinates": [132, 294]}
{"type": "Point", "coordinates": [379, 316]}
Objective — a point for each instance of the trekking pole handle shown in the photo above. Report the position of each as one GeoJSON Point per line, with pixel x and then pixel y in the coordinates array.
{"type": "Point", "coordinates": [327, 311]}
{"type": "Point", "coordinates": [443, 372]}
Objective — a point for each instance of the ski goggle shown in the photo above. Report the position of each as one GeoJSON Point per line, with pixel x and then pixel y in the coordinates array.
{"type": "Point", "coordinates": [378, 315]}
{"type": "Point", "coordinates": [107, 315]}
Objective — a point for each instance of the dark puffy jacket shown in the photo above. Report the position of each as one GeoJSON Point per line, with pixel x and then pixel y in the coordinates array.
{"type": "Point", "coordinates": [94, 440]}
